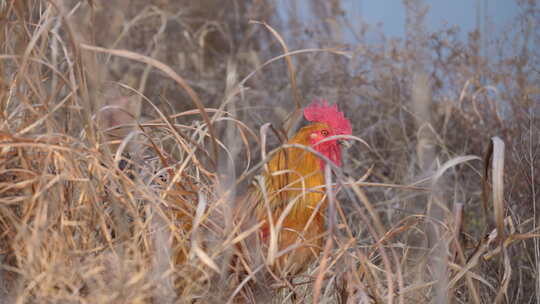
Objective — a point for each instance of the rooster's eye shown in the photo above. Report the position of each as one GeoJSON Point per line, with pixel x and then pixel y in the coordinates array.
{"type": "Point", "coordinates": [324, 133]}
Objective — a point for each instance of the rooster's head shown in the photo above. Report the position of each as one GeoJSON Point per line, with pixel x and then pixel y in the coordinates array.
{"type": "Point", "coordinates": [327, 121]}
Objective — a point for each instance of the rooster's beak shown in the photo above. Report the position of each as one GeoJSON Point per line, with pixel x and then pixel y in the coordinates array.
{"type": "Point", "coordinates": [345, 143]}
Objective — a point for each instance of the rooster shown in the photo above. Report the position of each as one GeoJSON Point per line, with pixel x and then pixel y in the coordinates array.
{"type": "Point", "coordinates": [295, 177]}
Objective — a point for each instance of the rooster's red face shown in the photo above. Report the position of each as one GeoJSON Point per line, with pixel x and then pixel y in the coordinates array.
{"type": "Point", "coordinates": [329, 148]}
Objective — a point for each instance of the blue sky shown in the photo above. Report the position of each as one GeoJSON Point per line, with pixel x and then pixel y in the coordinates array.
{"type": "Point", "coordinates": [391, 13]}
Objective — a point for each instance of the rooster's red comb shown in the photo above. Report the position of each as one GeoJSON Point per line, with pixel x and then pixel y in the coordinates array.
{"type": "Point", "coordinates": [322, 112]}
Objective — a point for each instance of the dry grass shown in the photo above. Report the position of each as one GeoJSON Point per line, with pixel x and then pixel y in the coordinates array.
{"type": "Point", "coordinates": [128, 132]}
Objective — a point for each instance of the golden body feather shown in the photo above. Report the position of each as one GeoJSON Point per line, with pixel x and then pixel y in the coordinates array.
{"type": "Point", "coordinates": [294, 177]}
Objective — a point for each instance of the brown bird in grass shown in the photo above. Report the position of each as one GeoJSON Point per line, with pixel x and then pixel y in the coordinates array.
{"type": "Point", "coordinates": [294, 190]}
